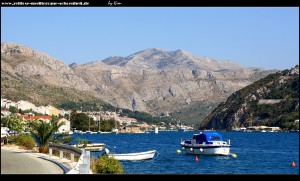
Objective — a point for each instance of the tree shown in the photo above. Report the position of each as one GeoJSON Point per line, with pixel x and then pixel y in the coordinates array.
{"type": "Point", "coordinates": [80, 121]}
{"type": "Point", "coordinates": [43, 132]}
{"type": "Point", "coordinates": [107, 125]}
{"type": "Point", "coordinates": [13, 109]}
{"type": "Point", "coordinates": [54, 118]}
{"type": "Point", "coordinates": [13, 123]}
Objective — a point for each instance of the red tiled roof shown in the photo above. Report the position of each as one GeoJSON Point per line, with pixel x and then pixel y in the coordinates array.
{"type": "Point", "coordinates": [34, 117]}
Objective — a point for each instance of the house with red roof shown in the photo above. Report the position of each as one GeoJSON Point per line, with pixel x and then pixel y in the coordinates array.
{"type": "Point", "coordinates": [31, 118]}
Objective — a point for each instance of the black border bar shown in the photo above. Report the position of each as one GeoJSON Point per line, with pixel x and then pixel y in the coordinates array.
{"type": "Point", "coordinates": [153, 3]}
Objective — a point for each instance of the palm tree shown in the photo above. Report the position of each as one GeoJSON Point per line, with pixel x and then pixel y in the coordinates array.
{"type": "Point", "coordinates": [43, 132]}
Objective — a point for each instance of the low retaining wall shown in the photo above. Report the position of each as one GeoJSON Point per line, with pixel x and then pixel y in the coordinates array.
{"type": "Point", "coordinates": [83, 164]}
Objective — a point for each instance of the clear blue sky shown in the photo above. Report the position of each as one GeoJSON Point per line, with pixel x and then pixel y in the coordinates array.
{"type": "Point", "coordinates": [266, 37]}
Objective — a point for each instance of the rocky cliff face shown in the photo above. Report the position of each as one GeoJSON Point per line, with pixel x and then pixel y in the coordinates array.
{"type": "Point", "coordinates": [153, 80]}
{"type": "Point", "coordinates": [271, 101]}
{"type": "Point", "coordinates": [30, 75]}
{"type": "Point", "coordinates": [159, 81]}
{"type": "Point", "coordinates": [38, 67]}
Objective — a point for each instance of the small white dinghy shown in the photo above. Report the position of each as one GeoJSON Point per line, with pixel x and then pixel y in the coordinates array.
{"type": "Point", "coordinates": [147, 155]}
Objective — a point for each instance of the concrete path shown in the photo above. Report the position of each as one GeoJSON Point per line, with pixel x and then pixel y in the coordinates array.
{"type": "Point", "coordinates": [19, 161]}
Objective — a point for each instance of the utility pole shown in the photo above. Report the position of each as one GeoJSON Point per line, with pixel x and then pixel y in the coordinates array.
{"type": "Point", "coordinates": [99, 124]}
{"type": "Point", "coordinates": [70, 121]}
{"type": "Point", "coordinates": [89, 118]}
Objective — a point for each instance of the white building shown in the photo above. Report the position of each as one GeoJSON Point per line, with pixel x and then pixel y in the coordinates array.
{"type": "Point", "coordinates": [5, 112]}
{"type": "Point", "coordinates": [25, 105]}
{"type": "Point", "coordinates": [64, 128]}
{"type": "Point", "coordinates": [126, 120]}
{"type": "Point", "coordinates": [64, 112]}
{"type": "Point", "coordinates": [43, 110]}
{"type": "Point", "coordinates": [5, 103]}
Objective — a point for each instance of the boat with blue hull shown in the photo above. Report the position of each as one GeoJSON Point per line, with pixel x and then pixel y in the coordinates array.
{"type": "Point", "coordinates": [206, 143]}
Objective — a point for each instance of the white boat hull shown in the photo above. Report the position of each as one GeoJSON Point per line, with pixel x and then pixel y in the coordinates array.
{"type": "Point", "coordinates": [114, 131]}
{"type": "Point", "coordinates": [103, 132]}
{"type": "Point", "coordinates": [95, 147]}
{"type": "Point", "coordinates": [206, 143]}
{"type": "Point", "coordinates": [133, 156]}
{"type": "Point", "coordinates": [207, 151]}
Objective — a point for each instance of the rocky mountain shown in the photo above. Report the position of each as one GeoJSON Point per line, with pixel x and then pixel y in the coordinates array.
{"type": "Point", "coordinates": [270, 101]}
{"type": "Point", "coordinates": [34, 76]}
{"type": "Point", "coordinates": [167, 82]}
{"type": "Point", "coordinates": [154, 80]}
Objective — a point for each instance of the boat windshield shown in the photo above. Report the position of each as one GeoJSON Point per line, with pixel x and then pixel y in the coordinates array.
{"type": "Point", "coordinates": [214, 138]}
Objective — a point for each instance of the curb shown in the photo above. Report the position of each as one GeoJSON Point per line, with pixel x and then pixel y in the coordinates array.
{"type": "Point", "coordinates": [63, 167]}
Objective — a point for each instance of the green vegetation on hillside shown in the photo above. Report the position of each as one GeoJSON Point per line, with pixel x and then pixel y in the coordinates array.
{"type": "Point", "coordinates": [18, 88]}
{"type": "Point", "coordinates": [243, 107]}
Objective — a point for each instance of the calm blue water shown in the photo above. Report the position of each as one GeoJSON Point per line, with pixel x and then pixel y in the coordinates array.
{"type": "Point", "coordinates": [257, 153]}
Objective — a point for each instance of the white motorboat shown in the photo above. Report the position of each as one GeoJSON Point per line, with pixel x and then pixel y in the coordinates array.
{"type": "Point", "coordinates": [132, 156]}
{"type": "Point", "coordinates": [103, 132]}
{"type": "Point", "coordinates": [182, 128]}
{"type": "Point", "coordinates": [206, 143]}
{"type": "Point", "coordinates": [91, 146]}
{"type": "Point", "coordinates": [115, 131]}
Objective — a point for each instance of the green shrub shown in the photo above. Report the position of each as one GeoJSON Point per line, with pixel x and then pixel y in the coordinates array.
{"type": "Point", "coordinates": [25, 141]}
{"type": "Point", "coordinates": [106, 165]}
{"type": "Point", "coordinates": [11, 139]}
{"type": "Point", "coordinates": [43, 149]}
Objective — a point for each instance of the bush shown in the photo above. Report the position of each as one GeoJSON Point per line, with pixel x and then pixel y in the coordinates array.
{"type": "Point", "coordinates": [25, 141]}
{"type": "Point", "coordinates": [43, 149]}
{"type": "Point", "coordinates": [106, 165]}
{"type": "Point", "coordinates": [11, 139]}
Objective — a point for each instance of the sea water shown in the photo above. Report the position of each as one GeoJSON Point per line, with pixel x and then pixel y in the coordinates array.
{"type": "Point", "coordinates": [257, 153]}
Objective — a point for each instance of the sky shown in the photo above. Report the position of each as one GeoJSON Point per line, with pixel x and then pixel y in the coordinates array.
{"type": "Point", "coordinates": [265, 37]}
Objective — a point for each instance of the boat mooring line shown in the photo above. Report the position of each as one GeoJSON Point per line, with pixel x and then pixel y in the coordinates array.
{"type": "Point", "coordinates": [157, 153]}
{"type": "Point", "coordinates": [161, 155]}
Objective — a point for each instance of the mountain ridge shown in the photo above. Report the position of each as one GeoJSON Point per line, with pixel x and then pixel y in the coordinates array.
{"type": "Point", "coordinates": [152, 80]}
{"type": "Point", "coordinates": [158, 58]}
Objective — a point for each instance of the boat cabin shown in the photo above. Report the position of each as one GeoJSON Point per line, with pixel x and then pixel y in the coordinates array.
{"type": "Point", "coordinates": [207, 137]}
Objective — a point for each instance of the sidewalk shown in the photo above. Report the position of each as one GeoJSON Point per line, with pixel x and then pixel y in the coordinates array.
{"type": "Point", "coordinates": [64, 163]}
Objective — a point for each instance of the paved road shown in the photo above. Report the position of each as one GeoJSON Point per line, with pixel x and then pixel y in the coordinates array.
{"type": "Point", "coordinates": [13, 162]}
